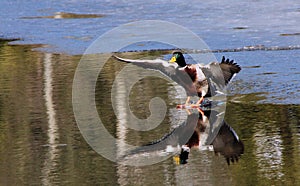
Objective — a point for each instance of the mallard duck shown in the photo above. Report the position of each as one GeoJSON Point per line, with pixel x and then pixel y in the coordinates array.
{"type": "Point", "coordinates": [202, 74]}
{"type": "Point", "coordinates": [200, 77]}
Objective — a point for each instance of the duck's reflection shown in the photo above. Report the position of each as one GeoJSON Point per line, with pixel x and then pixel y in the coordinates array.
{"type": "Point", "coordinates": [223, 140]}
{"type": "Point", "coordinates": [203, 130]}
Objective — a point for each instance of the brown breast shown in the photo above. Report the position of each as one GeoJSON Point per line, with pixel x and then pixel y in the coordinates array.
{"type": "Point", "coordinates": [199, 85]}
{"type": "Point", "coordinates": [192, 72]}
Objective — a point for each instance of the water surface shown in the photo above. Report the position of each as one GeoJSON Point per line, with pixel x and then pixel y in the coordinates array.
{"type": "Point", "coordinates": [218, 23]}
{"type": "Point", "coordinates": [41, 143]}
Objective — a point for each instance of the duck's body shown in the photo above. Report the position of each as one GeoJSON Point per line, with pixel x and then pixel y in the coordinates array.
{"type": "Point", "coordinates": [198, 78]}
{"type": "Point", "coordinates": [203, 75]}
{"type": "Point", "coordinates": [202, 80]}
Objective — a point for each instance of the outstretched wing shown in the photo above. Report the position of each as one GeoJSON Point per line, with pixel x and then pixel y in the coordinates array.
{"type": "Point", "coordinates": [229, 69]}
{"type": "Point", "coordinates": [219, 74]}
{"type": "Point", "coordinates": [170, 70]}
{"type": "Point", "coordinates": [166, 68]}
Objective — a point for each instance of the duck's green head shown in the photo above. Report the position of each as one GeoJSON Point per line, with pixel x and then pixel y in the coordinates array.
{"type": "Point", "coordinates": [178, 58]}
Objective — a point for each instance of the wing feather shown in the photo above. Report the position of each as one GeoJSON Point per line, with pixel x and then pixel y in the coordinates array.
{"type": "Point", "coordinates": [171, 70]}
{"type": "Point", "coordinates": [229, 69]}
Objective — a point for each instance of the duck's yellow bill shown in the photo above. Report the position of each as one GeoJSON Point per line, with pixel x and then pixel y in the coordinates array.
{"type": "Point", "coordinates": [173, 59]}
